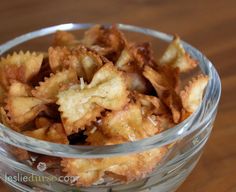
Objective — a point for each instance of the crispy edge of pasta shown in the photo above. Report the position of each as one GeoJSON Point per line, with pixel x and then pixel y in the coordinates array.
{"type": "Point", "coordinates": [19, 66]}
{"type": "Point", "coordinates": [192, 94]}
{"type": "Point", "coordinates": [153, 103]}
{"type": "Point", "coordinates": [4, 119]}
{"type": "Point", "coordinates": [165, 89]}
{"type": "Point", "coordinates": [74, 123]}
{"type": "Point", "coordinates": [56, 55]}
{"type": "Point", "coordinates": [125, 124]}
{"type": "Point", "coordinates": [132, 123]}
{"type": "Point", "coordinates": [89, 62]}
{"type": "Point", "coordinates": [49, 88]}
{"type": "Point", "coordinates": [86, 120]}
{"type": "Point", "coordinates": [19, 115]}
{"type": "Point", "coordinates": [115, 78]}
{"type": "Point", "coordinates": [176, 56]}
{"type": "Point", "coordinates": [84, 61]}
{"type": "Point", "coordinates": [108, 39]}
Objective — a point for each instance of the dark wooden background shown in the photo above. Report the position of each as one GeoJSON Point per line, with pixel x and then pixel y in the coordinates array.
{"type": "Point", "coordinates": [209, 25]}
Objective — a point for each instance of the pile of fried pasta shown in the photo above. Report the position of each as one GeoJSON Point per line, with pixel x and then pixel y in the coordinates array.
{"type": "Point", "coordinates": [103, 87]}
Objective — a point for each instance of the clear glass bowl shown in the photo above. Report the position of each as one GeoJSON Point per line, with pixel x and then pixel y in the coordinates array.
{"type": "Point", "coordinates": [185, 141]}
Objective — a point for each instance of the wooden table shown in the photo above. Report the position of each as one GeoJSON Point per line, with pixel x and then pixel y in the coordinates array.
{"type": "Point", "coordinates": [208, 25]}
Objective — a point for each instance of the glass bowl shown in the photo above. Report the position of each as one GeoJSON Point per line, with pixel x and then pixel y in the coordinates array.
{"type": "Point", "coordinates": [185, 141]}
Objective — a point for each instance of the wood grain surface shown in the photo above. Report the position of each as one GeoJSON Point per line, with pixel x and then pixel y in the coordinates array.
{"type": "Point", "coordinates": [208, 25]}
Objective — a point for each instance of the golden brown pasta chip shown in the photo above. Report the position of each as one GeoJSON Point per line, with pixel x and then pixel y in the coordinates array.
{"type": "Point", "coordinates": [133, 74]}
{"type": "Point", "coordinates": [108, 42]}
{"type": "Point", "coordinates": [80, 59]}
{"type": "Point", "coordinates": [64, 38]}
{"type": "Point", "coordinates": [19, 89]}
{"type": "Point", "coordinates": [123, 168]}
{"type": "Point", "coordinates": [92, 35]}
{"type": "Point", "coordinates": [131, 60]}
{"type": "Point", "coordinates": [128, 124]}
{"type": "Point", "coordinates": [165, 82]}
{"type": "Point", "coordinates": [49, 89]}
{"type": "Point", "coordinates": [191, 96]}
{"type": "Point", "coordinates": [106, 90]}
{"type": "Point", "coordinates": [19, 66]}
{"type": "Point", "coordinates": [55, 133]}
{"type": "Point", "coordinates": [97, 138]}
{"type": "Point", "coordinates": [150, 104]}
{"type": "Point", "coordinates": [4, 119]}
{"type": "Point", "coordinates": [135, 56]}
{"type": "Point", "coordinates": [57, 56]}
{"type": "Point", "coordinates": [136, 82]}
{"type": "Point", "coordinates": [19, 115]}
{"type": "Point", "coordinates": [142, 54]}
{"type": "Point", "coordinates": [176, 56]}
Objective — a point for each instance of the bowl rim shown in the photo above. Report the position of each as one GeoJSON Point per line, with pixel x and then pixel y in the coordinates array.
{"type": "Point", "coordinates": [212, 93]}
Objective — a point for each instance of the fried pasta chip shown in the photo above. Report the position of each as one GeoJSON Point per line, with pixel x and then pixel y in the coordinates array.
{"type": "Point", "coordinates": [19, 89]}
{"type": "Point", "coordinates": [154, 111]}
{"type": "Point", "coordinates": [64, 39]}
{"type": "Point", "coordinates": [176, 56]}
{"type": "Point", "coordinates": [96, 137]}
{"type": "Point", "coordinates": [128, 124]}
{"type": "Point", "coordinates": [44, 72]}
{"type": "Point", "coordinates": [143, 54]}
{"type": "Point", "coordinates": [57, 56]}
{"type": "Point", "coordinates": [124, 60]}
{"type": "Point", "coordinates": [92, 35]}
{"type": "Point", "coordinates": [19, 115]}
{"type": "Point", "coordinates": [122, 168]}
{"type": "Point", "coordinates": [109, 88]}
{"type": "Point", "coordinates": [136, 82]}
{"type": "Point", "coordinates": [49, 89]}
{"type": "Point", "coordinates": [106, 90]}
{"type": "Point", "coordinates": [19, 66]}
{"type": "Point", "coordinates": [4, 119]}
{"type": "Point", "coordinates": [54, 133]}
{"type": "Point", "coordinates": [133, 74]}
{"type": "Point", "coordinates": [150, 104]}
{"type": "Point", "coordinates": [137, 55]}
{"type": "Point", "coordinates": [80, 59]}
{"type": "Point", "coordinates": [165, 82]}
{"type": "Point", "coordinates": [131, 60]}
{"type": "Point", "coordinates": [137, 167]}
{"type": "Point", "coordinates": [16, 89]}
{"type": "Point", "coordinates": [192, 95]}
{"type": "Point", "coordinates": [108, 42]}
